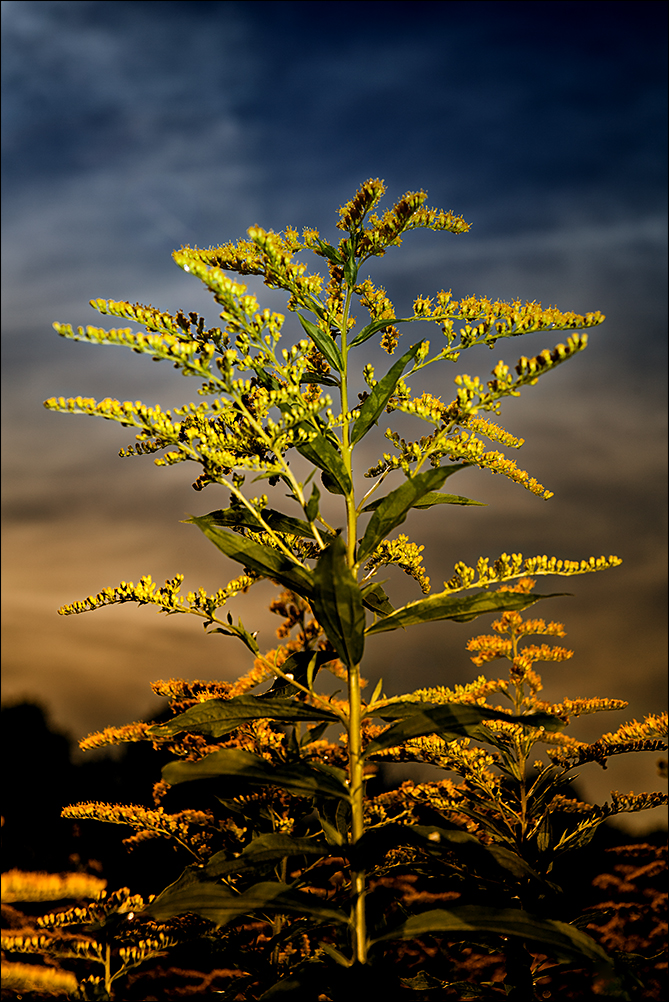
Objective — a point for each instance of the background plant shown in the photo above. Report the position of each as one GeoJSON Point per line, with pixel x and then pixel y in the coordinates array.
{"type": "Point", "coordinates": [276, 794]}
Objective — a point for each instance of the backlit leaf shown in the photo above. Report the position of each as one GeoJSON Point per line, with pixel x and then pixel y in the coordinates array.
{"type": "Point", "coordinates": [458, 607]}
{"type": "Point", "coordinates": [337, 603]}
{"type": "Point", "coordinates": [457, 719]}
{"type": "Point", "coordinates": [220, 905]}
{"type": "Point", "coordinates": [392, 510]}
{"type": "Point", "coordinates": [377, 325]}
{"type": "Point", "coordinates": [561, 939]}
{"type": "Point", "coordinates": [264, 849]}
{"type": "Point", "coordinates": [298, 666]}
{"type": "Point", "coordinates": [301, 778]}
{"type": "Point", "coordinates": [264, 560]}
{"type": "Point", "coordinates": [324, 454]}
{"type": "Point", "coordinates": [240, 517]}
{"type": "Point", "coordinates": [375, 598]}
{"type": "Point", "coordinates": [220, 716]}
{"type": "Point", "coordinates": [324, 342]}
{"type": "Point", "coordinates": [380, 395]}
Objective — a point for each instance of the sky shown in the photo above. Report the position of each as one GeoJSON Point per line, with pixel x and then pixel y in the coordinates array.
{"type": "Point", "coordinates": [131, 129]}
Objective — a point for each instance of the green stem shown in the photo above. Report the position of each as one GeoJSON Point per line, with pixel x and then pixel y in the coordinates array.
{"type": "Point", "coordinates": [108, 974]}
{"type": "Point", "coordinates": [355, 709]}
{"type": "Point", "coordinates": [357, 811]}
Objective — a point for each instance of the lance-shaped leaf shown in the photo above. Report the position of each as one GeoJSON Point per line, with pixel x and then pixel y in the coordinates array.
{"type": "Point", "coordinates": [240, 517]}
{"type": "Point", "coordinates": [299, 666]}
{"type": "Point", "coordinates": [337, 602]}
{"type": "Point", "coordinates": [458, 607]}
{"type": "Point", "coordinates": [378, 325]}
{"type": "Point", "coordinates": [266, 561]}
{"type": "Point", "coordinates": [380, 395]}
{"type": "Point", "coordinates": [324, 454]}
{"type": "Point", "coordinates": [301, 778]}
{"type": "Point", "coordinates": [220, 905]}
{"type": "Point", "coordinates": [393, 509]}
{"type": "Point", "coordinates": [375, 598]}
{"type": "Point", "coordinates": [456, 719]}
{"type": "Point", "coordinates": [264, 849]}
{"type": "Point", "coordinates": [324, 342]}
{"type": "Point", "coordinates": [560, 938]}
{"type": "Point", "coordinates": [217, 717]}
{"type": "Point", "coordinates": [435, 840]}
{"type": "Point", "coordinates": [431, 499]}
{"type": "Point", "coordinates": [239, 631]}
{"type": "Point", "coordinates": [317, 377]}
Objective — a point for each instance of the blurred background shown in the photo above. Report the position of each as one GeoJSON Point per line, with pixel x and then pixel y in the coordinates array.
{"type": "Point", "coordinates": [131, 129]}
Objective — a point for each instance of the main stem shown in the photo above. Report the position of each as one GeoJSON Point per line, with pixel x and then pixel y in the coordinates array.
{"type": "Point", "coordinates": [355, 765]}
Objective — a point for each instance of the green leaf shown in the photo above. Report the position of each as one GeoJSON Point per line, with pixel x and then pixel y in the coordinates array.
{"type": "Point", "coordinates": [264, 560]}
{"type": "Point", "coordinates": [328, 251]}
{"type": "Point", "coordinates": [423, 502]}
{"type": "Point", "coordinates": [436, 497]}
{"type": "Point", "coordinates": [375, 598]}
{"type": "Point", "coordinates": [299, 778]}
{"type": "Point", "coordinates": [380, 395]}
{"type": "Point", "coordinates": [562, 939]}
{"type": "Point", "coordinates": [298, 666]}
{"type": "Point", "coordinates": [317, 377]}
{"type": "Point", "coordinates": [334, 816]}
{"type": "Point", "coordinates": [393, 509]}
{"type": "Point", "coordinates": [321, 452]}
{"type": "Point", "coordinates": [431, 499]}
{"type": "Point", "coordinates": [217, 717]}
{"type": "Point", "coordinates": [337, 603]}
{"type": "Point", "coordinates": [458, 607]}
{"type": "Point", "coordinates": [219, 905]}
{"type": "Point", "coordinates": [311, 507]}
{"type": "Point", "coordinates": [324, 342]}
{"type": "Point", "coordinates": [240, 632]}
{"type": "Point", "coordinates": [378, 325]}
{"type": "Point", "coordinates": [264, 849]}
{"type": "Point", "coordinates": [368, 850]}
{"type": "Point", "coordinates": [461, 719]}
{"type": "Point", "coordinates": [351, 268]}
{"type": "Point", "coordinates": [240, 517]}
{"type": "Point", "coordinates": [544, 834]}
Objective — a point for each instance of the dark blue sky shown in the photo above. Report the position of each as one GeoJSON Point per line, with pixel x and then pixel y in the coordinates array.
{"type": "Point", "coordinates": [131, 128]}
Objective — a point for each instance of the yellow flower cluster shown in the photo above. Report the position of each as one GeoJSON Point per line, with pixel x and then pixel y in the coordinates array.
{"type": "Point", "coordinates": [18, 885]}
{"type": "Point", "coordinates": [473, 692]}
{"type": "Point", "coordinates": [511, 566]}
{"type": "Point", "coordinates": [513, 622]}
{"type": "Point", "coordinates": [468, 448]}
{"type": "Point", "coordinates": [116, 735]}
{"type": "Point", "coordinates": [167, 598]}
{"type": "Point", "coordinates": [152, 946]}
{"type": "Point", "coordinates": [265, 253]}
{"type": "Point", "coordinates": [193, 691]}
{"type": "Point", "coordinates": [138, 817]}
{"type": "Point", "coordinates": [494, 432]}
{"type": "Point", "coordinates": [403, 554]}
{"type": "Point", "coordinates": [55, 946]}
{"type": "Point", "coordinates": [193, 357]}
{"type": "Point", "coordinates": [154, 320]}
{"type": "Point", "coordinates": [366, 198]}
{"type": "Point", "coordinates": [579, 707]}
{"type": "Point", "coordinates": [653, 726]}
{"type": "Point", "coordinates": [635, 736]}
{"type": "Point", "coordinates": [380, 307]}
{"type": "Point", "coordinates": [120, 902]}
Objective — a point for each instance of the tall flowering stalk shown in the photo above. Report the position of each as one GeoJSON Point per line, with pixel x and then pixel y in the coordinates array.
{"type": "Point", "coordinates": [266, 396]}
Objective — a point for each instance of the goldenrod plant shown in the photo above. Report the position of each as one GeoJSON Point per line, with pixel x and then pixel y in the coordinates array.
{"type": "Point", "coordinates": [282, 828]}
